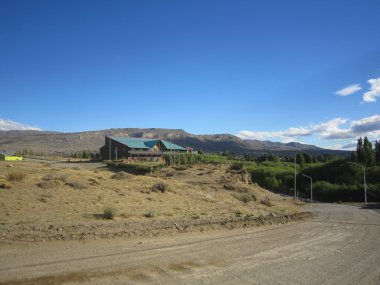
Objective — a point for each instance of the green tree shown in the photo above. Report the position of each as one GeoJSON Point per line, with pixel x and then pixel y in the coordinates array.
{"type": "Point", "coordinates": [369, 156]}
{"type": "Point", "coordinates": [308, 158]}
{"type": "Point", "coordinates": [377, 152]}
{"type": "Point", "coordinates": [354, 156]}
{"type": "Point", "coordinates": [300, 158]}
{"type": "Point", "coordinates": [360, 150]}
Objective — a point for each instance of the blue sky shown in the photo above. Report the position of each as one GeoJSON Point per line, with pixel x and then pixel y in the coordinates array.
{"type": "Point", "coordinates": [294, 70]}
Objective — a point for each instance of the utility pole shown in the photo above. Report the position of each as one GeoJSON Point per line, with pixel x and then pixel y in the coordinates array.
{"type": "Point", "coordinates": [116, 152]}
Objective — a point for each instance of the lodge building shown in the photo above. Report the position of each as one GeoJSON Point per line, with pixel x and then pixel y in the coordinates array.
{"type": "Point", "coordinates": [137, 148]}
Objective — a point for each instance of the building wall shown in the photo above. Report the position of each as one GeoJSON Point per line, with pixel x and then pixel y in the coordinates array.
{"type": "Point", "coordinates": [122, 150]}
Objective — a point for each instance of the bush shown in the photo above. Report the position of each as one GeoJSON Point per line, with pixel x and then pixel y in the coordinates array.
{"type": "Point", "coordinates": [49, 177]}
{"type": "Point", "coordinates": [76, 185]}
{"type": "Point", "coordinates": [16, 176]}
{"type": "Point", "coordinates": [137, 168]}
{"type": "Point", "coordinates": [48, 184]}
{"type": "Point", "coordinates": [180, 168]}
{"type": "Point", "coordinates": [159, 187]}
{"type": "Point", "coordinates": [195, 216]}
{"type": "Point", "coordinates": [229, 187]}
{"type": "Point", "coordinates": [236, 166]}
{"type": "Point", "coordinates": [246, 197]}
{"type": "Point", "coordinates": [267, 202]}
{"type": "Point", "coordinates": [5, 186]}
{"type": "Point", "coordinates": [120, 175]}
{"type": "Point", "coordinates": [94, 181]}
{"type": "Point", "coordinates": [109, 213]}
{"type": "Point", "coordinates": [149, 214]}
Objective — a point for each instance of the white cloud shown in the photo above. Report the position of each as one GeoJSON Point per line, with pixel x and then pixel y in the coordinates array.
{"type": "Point", "coordinates": [338, 128]}
{"type": "Point", "coordinates": [374, 91]}
{"type": "Point", "coordinates": [7, 125]}
{"type": "Point", "coordinates": [348, 90]}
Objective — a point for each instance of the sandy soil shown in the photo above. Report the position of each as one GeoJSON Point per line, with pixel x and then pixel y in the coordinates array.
{"type": "Point", "coordinates": [340, 246]}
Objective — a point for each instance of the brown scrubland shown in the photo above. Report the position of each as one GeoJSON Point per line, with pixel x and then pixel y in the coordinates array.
{"type": "Point", "coordinates": [45, 197]}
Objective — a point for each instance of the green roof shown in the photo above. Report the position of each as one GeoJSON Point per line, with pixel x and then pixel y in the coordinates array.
{"type": "Point", "coordinates": [142, 143]}
{"type": "Point", "coordinates": [172, 146]}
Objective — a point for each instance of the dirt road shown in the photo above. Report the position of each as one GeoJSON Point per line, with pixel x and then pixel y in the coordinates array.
{"type": "Point", "coordinates": [340, 246]}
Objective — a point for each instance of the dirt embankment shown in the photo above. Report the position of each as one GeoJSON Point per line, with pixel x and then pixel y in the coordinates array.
{"type": "Point", "coordinates": [114, 229]}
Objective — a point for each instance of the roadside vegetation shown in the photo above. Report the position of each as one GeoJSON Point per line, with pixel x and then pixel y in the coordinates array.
{"type": "Point", "coordinates": [334, 178]}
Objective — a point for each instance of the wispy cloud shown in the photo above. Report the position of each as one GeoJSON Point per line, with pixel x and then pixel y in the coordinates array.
{"type": "Point", "coordinates": [348, 90]}
{"type": "Point", "coordinates": [373, 92]}
{"type": "Point", "coordinates": [7, 125]}
{"type": "Point", "coordinates": [338, 128]}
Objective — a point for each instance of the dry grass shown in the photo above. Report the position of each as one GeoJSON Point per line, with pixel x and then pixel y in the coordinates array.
{"type": "Point", "coordinates": [48, 195]}
{"type": "Point", "coordinates": [16, 176]}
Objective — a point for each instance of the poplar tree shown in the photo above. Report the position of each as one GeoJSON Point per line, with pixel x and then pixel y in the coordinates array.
{"type": "Point", "coordinates": [369, 156]}
{"type": "Point", "coordinates": [377, 152]}
{"type": "Point", "coordinates": [359, 150]}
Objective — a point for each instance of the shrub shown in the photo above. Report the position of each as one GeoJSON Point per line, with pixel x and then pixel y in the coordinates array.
{"type": "Point", "coordinates": [195, 216]}
{"type": "Point", "coordinates": [159, 187]}
{"type": "Point", "coordinates": [94, 181]}
{"type": "Point", "coordinates": [180, 168]}
{"type": "Point", "coordinates": [149, 214]}
{"type": "Point", "coordinates": [76, 185]}
{"type": "Point", "coordinates": [246, 197]}
{"type": "Point", "coordinates": [242, 189]}
{"type": "Point", "coordinates": [236, 166]}
{"type": "Point", "coordinates": [48, 177]}
{"type": "Point", "coordinates": [16, 176]}
{"type": "Point", "coordinates": [48, 184]}
{"type": "Point", "coordinates": [109, 212]}
{"type": "Point", "coordinates": [120, 175]}
{"type": "Point", "coordinates": [267, 202]}
{"type": "Point", "coordinates": [5, 186]}
{"type": "Point", "coordinates": [229, 187]}
{"type": "Point", "coordinates": [138, 168]}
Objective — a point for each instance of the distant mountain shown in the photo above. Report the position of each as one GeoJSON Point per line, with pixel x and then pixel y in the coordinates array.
{"type": "Point", "coordinates": [58, 142]}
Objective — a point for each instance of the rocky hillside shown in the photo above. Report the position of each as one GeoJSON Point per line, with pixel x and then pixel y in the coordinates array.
{"type": "Point", "coordinates": [57, 142]}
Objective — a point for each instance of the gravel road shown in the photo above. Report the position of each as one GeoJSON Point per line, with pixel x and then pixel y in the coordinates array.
{"type": "Point", "coordinates": [340, 246]}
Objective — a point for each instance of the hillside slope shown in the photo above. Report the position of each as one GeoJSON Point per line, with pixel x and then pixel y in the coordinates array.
{"type": "Point", "coordinates": [58, 142]}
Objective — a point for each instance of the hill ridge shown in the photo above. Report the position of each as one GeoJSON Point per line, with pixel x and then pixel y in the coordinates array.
{"type": "Point", "coordinates": [61, 142]}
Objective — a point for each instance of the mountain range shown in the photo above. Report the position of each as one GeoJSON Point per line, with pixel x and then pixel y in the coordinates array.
{"type": "Point", "coordinates": [58, 142]}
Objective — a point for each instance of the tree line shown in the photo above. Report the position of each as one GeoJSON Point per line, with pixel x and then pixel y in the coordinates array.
{"type": "Point", "coordinates": [365, 154]}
